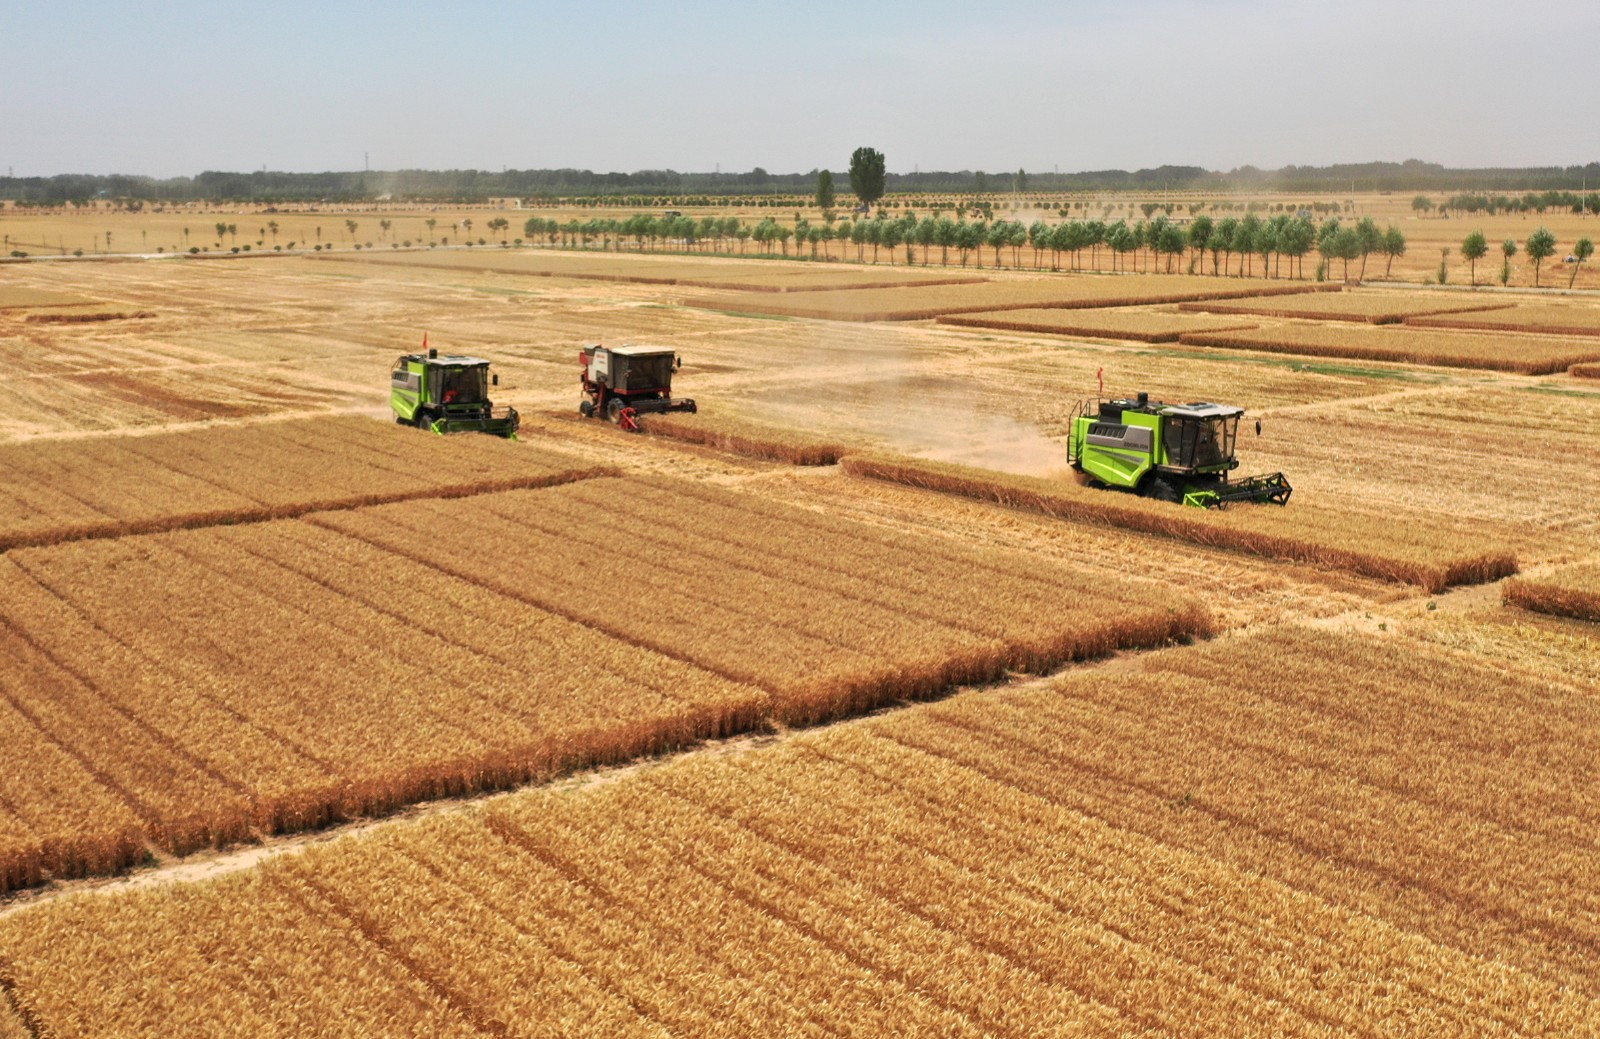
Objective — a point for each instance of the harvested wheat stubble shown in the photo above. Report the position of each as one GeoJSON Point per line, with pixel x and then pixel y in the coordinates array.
{"type": "Point", "coordinates": [1109, 324]}
{"type": "Point", "coordinates": [1375, 308]}
{"type": "Point", "coordinates": [96, 488]}
{"type": "Point", "coordinates": [1550, 318]}
{"type": "Point", "coordinates": [14, 297]}
{"type": "Point", "coordinates": [742, 437]}
{"type": "Point", "coordinates": [1059, 292]}
{"type": "Point", "coordinates": [1373, 546]}
{"type": "Point", "coordinates": [1277, 836]}
{"type": "Point", "coordinates": [1526, 356]}
{"type": "Point", "coordinates": [198, 687]}
{"type": "Point", "coordinates": [1570, 592]}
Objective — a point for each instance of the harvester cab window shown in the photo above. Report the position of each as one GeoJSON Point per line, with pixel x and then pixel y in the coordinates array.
{"type": "Point", "coordinates": [462, 385]}
{"type": "Point", "coordinates": [1195, 443]}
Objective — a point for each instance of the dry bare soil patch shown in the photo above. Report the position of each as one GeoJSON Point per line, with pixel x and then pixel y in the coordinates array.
{"type": "Point", "coordinates": [1143, 326]}
{"type": "Point", "coordinates": [1377, 308]}
{"type": "Point", "coordinates": [1061, 291]}
{"type": "Point", "coordinates": [1528, 356]}
{"type": "Point", "coordinates": [1280, 835]}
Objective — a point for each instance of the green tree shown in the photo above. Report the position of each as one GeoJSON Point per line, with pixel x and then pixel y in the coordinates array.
{"type": "Point", "coordinates": [383, 226]}
{"type": "Point", "coordinates": [351, 224]}
{"type": "Point", "coordinates": [1473, 248]}
{"type": "Point", "coordinates": [1394, 244]}
{"type": "Point", "coordinates": [1422, 204]}
{"type": "Point", "coordinates": [825, 190]}
{"type": "Point", "coordinates": [1540, 247]}
{"type": "Point", "coordinates": [272, 225]}
{"type": "Point", "coordinates": [1508, 249]}
{"type": "Point", "coordinates": [867, 174]}
{"type": "Point", "coordinates": [999, 237]}
{"type": "Point", "coordinates": [945, 236]}
{"type": "Point", "coordinates": [222, 229]}
{"type": "Point", "coordinates": [1371, 242]}
{"type": "Point", "coordinates": [1170, 241]}
{"type": "Point", "coordinates": [1019, 181]}
{"type": "Point", "coordinates": [431, 221]}
{"type": "Point", "coordinates": [1039, 238]}
{"type": "Point", "coordinates": [1581, 251]}
{"type": "Point", "coordinates": [1200, 234]}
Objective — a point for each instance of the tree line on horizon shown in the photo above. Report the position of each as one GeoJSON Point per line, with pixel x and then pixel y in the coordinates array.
{"type": "Point", "coordinates": [476, 185]}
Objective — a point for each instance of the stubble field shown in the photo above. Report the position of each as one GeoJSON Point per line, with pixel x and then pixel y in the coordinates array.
{"type": "Point", "coordinates": [1349, 797]}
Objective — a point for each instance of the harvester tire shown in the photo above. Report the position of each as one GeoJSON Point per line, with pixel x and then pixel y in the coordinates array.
{"type": "Point", "coordinates": [1162, 490]}
{"type": "Point", "coordinates": [586, 408]}
{"type": "Point", "coordinates": [614, 408]}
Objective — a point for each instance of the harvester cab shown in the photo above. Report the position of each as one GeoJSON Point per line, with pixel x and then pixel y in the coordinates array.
{"type": "Point", "coordinates": [624, 382]}
{"type": "Point", "coordinates": [448, 394]}
{"type": "Point", "coordinates": [1171, 452]}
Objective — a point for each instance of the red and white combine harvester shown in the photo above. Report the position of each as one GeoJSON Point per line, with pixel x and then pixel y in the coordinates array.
{"type": "Point", "coordinates": [624, 382]}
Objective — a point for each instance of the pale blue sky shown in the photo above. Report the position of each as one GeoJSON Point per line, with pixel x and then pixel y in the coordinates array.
{"type": "Point", "coordinates": [102, 86]}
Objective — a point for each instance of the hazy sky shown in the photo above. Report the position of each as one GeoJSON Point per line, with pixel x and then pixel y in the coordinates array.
{"type": "Point", "coordinates": [178, 87]}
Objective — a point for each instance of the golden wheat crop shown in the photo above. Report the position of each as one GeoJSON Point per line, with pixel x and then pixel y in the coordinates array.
{"type": "Point", "coordinates": [1528, 356]}
{"type": "Point", "coordinates": [1100, 324]}
{"type": "Point", "coordinates": [742, 437]}
{"type": "Point", "coordinates": [194, 688]}
{"type": "Point", "coordinates": [1547, 318]}
{"type": "Point", "coordinates": [1430, 556]}
{"type": "Point", "coordinates": [19, 297]}
{"type": "Point", "coordinates": [1378, 308]}
{"type": "Point", "coordinates": [1572, 591]}
{"type": "Point", "coordinates": [915, 303]}
{"type": "Point", "coordinates": [1280, 835]}
{"type": "Point", "coordinates": [72, 489]}
{"type": "Point", "coordinates": [1585, 371]}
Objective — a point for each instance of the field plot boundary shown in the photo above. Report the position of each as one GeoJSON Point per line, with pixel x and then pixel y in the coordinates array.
{"type": "Point", "coordinates": [1253, 534]}
{"type": "Point", "coordinates": [1533, 327]}
{"type": "Point", "coordinates": [723, 283]}
{"type": "Point", "coordinates": [1436, 353]}
{"type": "Point", "coordinates": [1401, 314]}
{"type": "Point", "coordinates": [732, 304]}
{"type": "Point", "coordinates": [1067, 328]}
{"type": "Point", "coordinates": [1585, 371]}
{"type": "Point", "coordinates": [294, 510]}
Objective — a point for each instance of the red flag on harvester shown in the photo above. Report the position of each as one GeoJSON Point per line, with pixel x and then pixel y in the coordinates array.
{"type": "Point", "coordinates": [1101, 374]}
{"type": "Point", "coordinates": [424, 340]}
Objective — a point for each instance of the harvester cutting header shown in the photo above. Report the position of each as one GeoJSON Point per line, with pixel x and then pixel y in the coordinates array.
{"type": "Point", "coordinates": [1170, 452]}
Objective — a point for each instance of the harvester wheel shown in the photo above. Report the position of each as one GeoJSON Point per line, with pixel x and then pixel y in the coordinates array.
{"type": "Point", "coordinates": [614, 408]}
{"type": "Point", "coordinates": [423, 421]}
{"type": "Point", "coordinates": [586, 408]}
{"type": "Point", "coordinates": [1162, 490]}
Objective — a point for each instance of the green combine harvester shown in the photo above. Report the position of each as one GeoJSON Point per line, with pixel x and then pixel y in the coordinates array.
{"type": "Point", "coordinates": [448, 395]}
{"type": "Point", "coordinates": [1170, 452]}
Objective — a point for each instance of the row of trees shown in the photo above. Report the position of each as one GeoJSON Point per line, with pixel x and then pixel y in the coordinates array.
{"type": "Point", "coordinates": [1540, 246]}
{"type": "Point", "coordinates": [1158, 243]}
{"type": "Point", "coordinates": [1528, 202]}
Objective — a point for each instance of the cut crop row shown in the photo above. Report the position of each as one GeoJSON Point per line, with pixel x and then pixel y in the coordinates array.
{"type": "Point", "coordinates": [1275, 836]}
{"type": "Point", "coordinates": [1527, 356]}
{"type": "Point", "coordinates": [1585, 371]}
{"type": "Point", "coordinates": [741, 437]}
{"type": "Point", "coordinates": [1573, 591]}
{"type": "Point", "coordinates": [1371, 546]}
{"type": "Point", "coordinates": [1059, 292]}
{"type": "Point", "coordinates": [97, 488]}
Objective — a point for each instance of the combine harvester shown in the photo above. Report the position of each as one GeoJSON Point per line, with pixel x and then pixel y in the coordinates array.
{"type": "Point", "coordinates": [448, 395]}
{"type": "Point", "coordinates": [624, 382]}
{"type": "Point", "coordinates": [1169, 452]}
